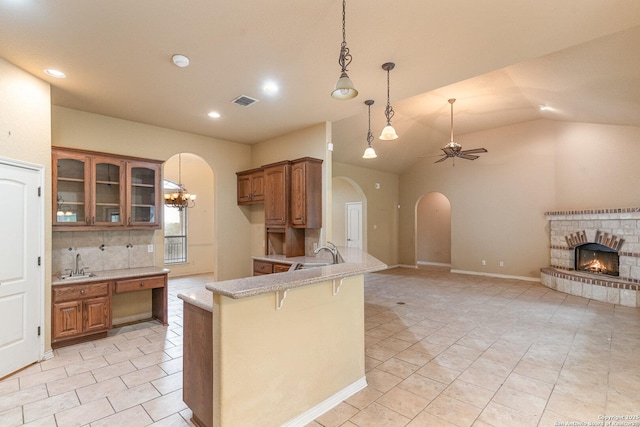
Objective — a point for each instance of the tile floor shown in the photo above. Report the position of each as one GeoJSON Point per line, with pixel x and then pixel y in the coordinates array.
{"type": "Point", "coordinates": [442, 349]}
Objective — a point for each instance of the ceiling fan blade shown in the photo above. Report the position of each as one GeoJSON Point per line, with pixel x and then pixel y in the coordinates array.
{"type": "Point", "coordinates": [442, 159]}
{"type": "Point", "coordinates": [474, 150]}
{"type": "Point", "coordinates": [430, 155]}
{"type": "Point", "coordinates": [467, 156]}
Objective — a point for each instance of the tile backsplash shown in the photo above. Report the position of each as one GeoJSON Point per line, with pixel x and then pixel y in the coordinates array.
{"type": "Point", "coordinates": [102, 250]}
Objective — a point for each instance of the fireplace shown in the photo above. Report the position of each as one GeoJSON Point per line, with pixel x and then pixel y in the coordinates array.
{"type": "Point", "coordinates": [597, 259]}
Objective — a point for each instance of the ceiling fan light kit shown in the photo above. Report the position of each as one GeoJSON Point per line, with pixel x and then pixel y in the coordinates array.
{"type": "Point", "coordinates": [453, 149]}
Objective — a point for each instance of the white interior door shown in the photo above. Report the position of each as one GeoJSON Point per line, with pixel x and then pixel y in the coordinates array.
{"type": "Point", "coordinates": [354, 225]}
{"type": "Point", "coordinates": [20, 274]}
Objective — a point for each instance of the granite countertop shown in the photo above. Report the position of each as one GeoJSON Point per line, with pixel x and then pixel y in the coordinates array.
{"type": "Point", "coordinates": [356, 262]}
{"type": "Point", "coordinates": [111, 275]}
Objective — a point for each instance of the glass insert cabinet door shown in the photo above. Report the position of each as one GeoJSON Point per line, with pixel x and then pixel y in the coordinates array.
{"type": "Point", "coordinates": [144, 193]}
{"type": "Point", "coordinates": [72, 189]}
{"type": "Point", "coordinates": [108, 205]}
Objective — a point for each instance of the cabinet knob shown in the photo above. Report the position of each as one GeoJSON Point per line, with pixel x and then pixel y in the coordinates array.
{"type": "Point", "coordinates": [82, 291]}
{"type": "Point", "coordinates": [141, 284]}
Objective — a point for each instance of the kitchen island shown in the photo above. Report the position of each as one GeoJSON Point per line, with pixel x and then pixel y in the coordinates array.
{"type": "Point", "coordinates": [284, 348]}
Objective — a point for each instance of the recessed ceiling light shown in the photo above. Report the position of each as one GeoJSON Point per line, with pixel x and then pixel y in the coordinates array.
{"type": "Point", "coordinates": [214, 114]}
{"type": "Point", "coordinates": [180, 60]}
{"type": "Point", "coordinates": [270, 88]}
{"type": "Point", "coordinates": [55, 73]}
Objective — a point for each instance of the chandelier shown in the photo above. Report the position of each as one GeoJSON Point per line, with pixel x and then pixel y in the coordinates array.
{"type": "Point", "coordinates": [180, 198]}
{"type": "Point", "coordinates": [344, 86]}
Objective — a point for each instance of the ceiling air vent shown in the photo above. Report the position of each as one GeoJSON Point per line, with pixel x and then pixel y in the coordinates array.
{"type": "Point", "coordinates": [244, 101]}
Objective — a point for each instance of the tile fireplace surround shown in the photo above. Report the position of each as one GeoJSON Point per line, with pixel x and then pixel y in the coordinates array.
{"type": "Point", "coordinates": [616, 228]}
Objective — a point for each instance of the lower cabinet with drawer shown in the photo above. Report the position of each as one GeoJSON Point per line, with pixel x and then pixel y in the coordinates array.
{"type": "Point", "coordinates": [83, 311]}
{"type": "Point", "coordinates": [265, 267]}
{"type": "Point", "coordinates": [80, 310]}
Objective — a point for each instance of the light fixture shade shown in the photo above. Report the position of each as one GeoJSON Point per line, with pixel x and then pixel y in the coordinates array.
{"type": "Point", "coordinates": [344, 88]}
{"type": "Point", "coordinates": [369, 153]}
{"type": "Point", "coordinates": [388, 133]}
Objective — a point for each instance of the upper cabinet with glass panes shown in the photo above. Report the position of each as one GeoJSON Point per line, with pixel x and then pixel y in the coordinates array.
{"type": "Point", "coordinates": [96, 190]}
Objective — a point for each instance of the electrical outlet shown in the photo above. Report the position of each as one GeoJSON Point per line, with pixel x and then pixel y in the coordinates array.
{"type": "Point", "coordinates": [149, 248]}
{"type": "Point", "coordinates": [315, 246]}
{"type": "Point", "coordinates": [501, 263]}
{"type": "Point", "coordinates": [484, 262]}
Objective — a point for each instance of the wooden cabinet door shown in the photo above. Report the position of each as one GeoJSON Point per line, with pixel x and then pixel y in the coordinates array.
{"type": "Point", "coordinates": [276, 197]}
{"type": "Point", "coordinates": [257, 186]}
{"type": "Point", "coordinates": [298, 186]}
{"type": "Point", "coordinates": [96, 314]}
{"type": "Point", "coordinates": [67, 319]}
{"type": "Point", "coordinates": [71, 188]}
{"type": "Point", "coordinates": [108, 191]}
{"type": "Point", "coordinates": [244, 188]}
{"type": "Point", "coordinates": [143, 194]}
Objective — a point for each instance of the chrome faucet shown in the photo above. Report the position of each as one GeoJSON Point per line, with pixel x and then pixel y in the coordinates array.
{"type": "Point", "coordinates": [76, 271]}
{"type": "Point", "coordinates": [335, 255]}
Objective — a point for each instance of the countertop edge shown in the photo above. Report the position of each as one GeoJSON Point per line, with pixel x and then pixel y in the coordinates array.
{"type": "Point", "coordinates": [111, 275]}
{"type": "Point", "coordinates": [356, 262]}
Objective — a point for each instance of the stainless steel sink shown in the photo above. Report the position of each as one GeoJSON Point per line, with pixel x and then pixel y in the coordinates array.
{"type": "Point", "coordinates": [307, 265]}
{"type": "Point", "coordinates": [76, 276]}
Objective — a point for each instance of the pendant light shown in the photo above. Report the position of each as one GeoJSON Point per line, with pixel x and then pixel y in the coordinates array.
{"type": "Point", "coordinates": [388, 133]}
{"type": "Point", "coordinates": [180, 198]}
{"type": "Point", "coordinates": [369, 153]}
{"type": "Point", "coordinates": [344, 87]}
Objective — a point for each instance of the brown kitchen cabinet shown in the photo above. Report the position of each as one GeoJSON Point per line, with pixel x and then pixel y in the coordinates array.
{"type": "Point", "coordinates": [306, 193]}
{"type": "Point", "coordinates": [80, 310]}
{"type": "Point", "coordinates": [276, 193]}
{"type": "Point", "coordinates": [250, 186]}
{"type": "Point", "coordinates": [261, 267]}
{"type": "Point", "coordinates": [102, 191]}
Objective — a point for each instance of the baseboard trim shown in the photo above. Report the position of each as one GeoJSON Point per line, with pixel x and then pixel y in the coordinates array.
{"type": "Point", "coordinates": [501, 276]}
{"type": "Point", "coordinates": [322, 407]}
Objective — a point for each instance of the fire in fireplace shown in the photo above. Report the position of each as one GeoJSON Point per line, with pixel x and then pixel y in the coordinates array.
{"type": "Point", "coordinates": [597, 259]}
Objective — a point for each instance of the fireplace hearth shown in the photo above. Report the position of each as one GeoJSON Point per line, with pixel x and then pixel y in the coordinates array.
{"type": "Point", "coordinates": [595, 254]}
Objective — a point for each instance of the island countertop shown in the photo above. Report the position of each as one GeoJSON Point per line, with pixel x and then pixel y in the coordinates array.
{"type": "Point", "coordinates": [356, 262]}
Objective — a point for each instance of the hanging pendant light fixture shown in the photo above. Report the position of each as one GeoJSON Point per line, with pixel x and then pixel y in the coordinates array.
{"type": "Point", "coordinates": [388, 133]}
{"type": "Point", "coordinates": [344, 87]}
{"type": "Point", "coordinates": [180, 198]}
{"type": "Point", "coordinates": [369, 153]}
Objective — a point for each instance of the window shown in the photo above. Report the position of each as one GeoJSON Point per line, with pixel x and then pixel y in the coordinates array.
{"type": "Point", "coordinates": [175, 230]}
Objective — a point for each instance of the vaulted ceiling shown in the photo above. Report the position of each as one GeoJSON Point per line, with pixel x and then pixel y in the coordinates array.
{"type": "Point", "coordinates": [501, 60]}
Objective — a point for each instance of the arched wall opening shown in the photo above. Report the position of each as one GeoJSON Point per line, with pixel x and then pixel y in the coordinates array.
{"type": "Point", "coordinates": [433, 230]}
{"type": "Point", "coordinates": [195, 174]}
{"type": "Point", "coordinates": [344, 191]}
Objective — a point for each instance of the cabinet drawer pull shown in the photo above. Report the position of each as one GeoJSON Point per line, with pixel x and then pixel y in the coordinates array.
{"type": "Point", "coordinates": [82, 291]}
{"type": "Point", "coordinates": [141, 284]}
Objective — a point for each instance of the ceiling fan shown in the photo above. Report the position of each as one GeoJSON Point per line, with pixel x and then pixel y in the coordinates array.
{"type": "Point", "coordinates": [453, 149]}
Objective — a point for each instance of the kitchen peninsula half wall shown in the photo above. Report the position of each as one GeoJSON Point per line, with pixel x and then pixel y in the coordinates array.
{"type": "Point", "coordinates": [284, 347]}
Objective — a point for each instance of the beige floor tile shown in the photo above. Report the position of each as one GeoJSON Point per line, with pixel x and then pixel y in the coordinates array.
{"type": "Point", "coordinates": [166, 385]}
{"type": "Point", "coordinates": [482, 378]}
{"type": "Point", "coordinates": [530, 385]}
{"type": "Point", "coordinates": [42, 377]}
{"type": "Point", "coordinates": [100, 390]}
{"type": "Point", "coordinates": [84, 414]}
{"type": "Point", "coordinates": [469, 393]}
{"type": "Point", "coordinates": [141, 376]}
{"type": "Point", "coordinates": [132, 417]}
{"type": "Point", "coordinates": [452, 410]}
{"type": "Point", "coordinates": [23, 397]}
{"type": "Point", "coordinates": [128, 398]}
{"type": "Point", "coordinates": [422, 386]}
{"type": "Point", "coordinates": [122, 356]}
{"type": "Point", "coordinates": [525, 403]}
{"type": "Point", "coordinates": [364, 397]}
{"type": "Point", "coordinates": [11, 417]}
{"type": "Point", "coordinates": [69, 383]}
{"type": "Point", "coordinates": [337, 416]}
{"type": "Point", "coordinates": [381, 380]}
{"type": "Point", "coordinates": [50, 406]}
{"type": "Point", "coordinates": [499, 415]}
{"type": "Point", "coordinates": [150, 359]}
{"type": "Point", "coordinates": [10, 385]}
{"type": "Point", "coordinates": [112, 371]}
{"type": "Point", "coordinates": [398, 367]}
{"type": "Point", "coordinates": [172, 366]}
{"type": "Point", "coordinates": [163, 406]}
{"type": "Point", "coordinates": [425, 419]}
{"type": "Point", "coordinates": [379, 352]}
{"type": "Point", "coordinates": [86, 366]}
{"type": "Point", "coordinates": [174, 420]}
{"type": "Point", "coordinates": [403, 402]}
{"type": "Point", "coordinates": [379, 415]}
{"type": "Point", "coordinates": [47, 421]}
{"type": "Point", "coordinates": [439, 373]}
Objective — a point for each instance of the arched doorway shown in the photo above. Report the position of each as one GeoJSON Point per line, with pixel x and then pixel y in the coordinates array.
{"type": "Point", "coordinates": [195, 174]}
{"type": "Point", "coordinates": [433, 230]}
